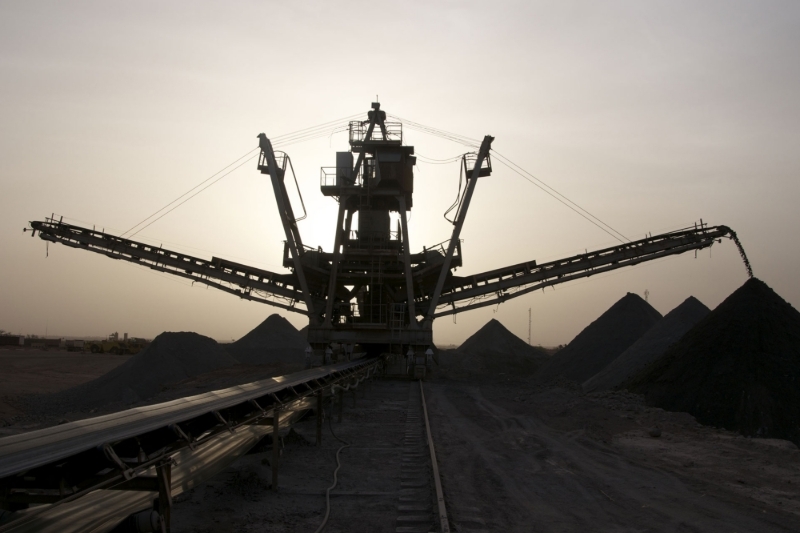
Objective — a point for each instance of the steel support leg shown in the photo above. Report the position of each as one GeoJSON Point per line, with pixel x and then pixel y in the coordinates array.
{"type": "Point", "coordinates": [276, 447]}
{"type": "Point", "coordinates": [340, 400]}
{"type": "Point", "coordinates": [319, 418]}
{"type": "Point", "coordinates": [164, 475]}
{"type": "Point", "coordinates": [412, 313]}
{"type": "Point", "coordinates": [337, 247]}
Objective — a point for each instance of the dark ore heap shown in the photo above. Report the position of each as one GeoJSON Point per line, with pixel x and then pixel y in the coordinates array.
{"type": "Point", "coordinates": [602, 340]}
{"type": "Point", "coordinates": [275, 340]}
{"type": "Point", "coordinates": [650, 346]}
{"type": "Point", "coordinates": [491, 351]}
{"type": "Point", "coordinates": [739, 368]}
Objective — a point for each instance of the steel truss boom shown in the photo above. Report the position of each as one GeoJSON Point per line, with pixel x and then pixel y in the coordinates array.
{"type": "Point", "coordinates": [244, 281]}
{"type": "Point", "coordinates": [516, 280]}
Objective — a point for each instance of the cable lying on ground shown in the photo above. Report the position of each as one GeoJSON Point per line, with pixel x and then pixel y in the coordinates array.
{"type": "Point", "coordinates": [335, 479]}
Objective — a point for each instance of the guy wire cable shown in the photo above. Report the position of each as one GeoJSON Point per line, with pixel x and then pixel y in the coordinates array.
{"type": "Point", "coordinates": [432, 161]}
{"type": "Point", "coordinates": [284, 139]}
{"type": "Point", "coordinates": [162, 215]}
{"type": "Point", "coordinates": [560, 200]}
{"type": "Point", "coordinates": [519, 170]}
{"type": "Point", "coordinates": [505, 159]}
{"type": "Point", "coordinates": [190, 190]}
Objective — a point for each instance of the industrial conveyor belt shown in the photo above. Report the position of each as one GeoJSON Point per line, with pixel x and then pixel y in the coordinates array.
{"type": "Point", "coordinates": [91, 474]}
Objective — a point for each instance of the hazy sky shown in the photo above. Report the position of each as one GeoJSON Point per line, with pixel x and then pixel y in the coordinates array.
{"type": "Point", "coordinates": [651, 115]}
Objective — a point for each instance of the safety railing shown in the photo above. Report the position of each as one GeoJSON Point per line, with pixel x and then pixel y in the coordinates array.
{"type": "Point", "coordinates": [358, 132]}
{"type": "Point", "coordinates": [280, 160]}
{"type": "Point", "coordinates": [469, 161]}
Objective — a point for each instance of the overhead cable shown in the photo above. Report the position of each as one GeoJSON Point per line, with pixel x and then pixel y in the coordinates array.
{"type": "Point", "coordinates": [468, 141]}
{"type": "Point", "coordinates": [187, 192]}
{"type": "Point", "coordinates": [305, 134]}
{"type": "Point", "coordinates": [432, 161]}
{"type": "Point", "coordinates": [500, 157]}
{"type": "Point", "coordinates": [455, 137]}
{"type": "Point", "coordinates": [559, 199]}
{"type": "Point", "coordinates": [162, 215]}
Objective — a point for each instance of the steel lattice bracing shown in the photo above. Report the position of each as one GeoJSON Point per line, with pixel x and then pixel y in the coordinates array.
{"type": "Point", "coordinates": [516, 280]}
{"type": "Point", "coordinates": [247, 282]}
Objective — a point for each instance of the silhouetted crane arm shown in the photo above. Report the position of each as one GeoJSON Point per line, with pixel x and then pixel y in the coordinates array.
{"type": "Point", "coordinates": [268, 164]}
{"type": "Point", "coordinates": [250, 283]}
{"type": "Point", "coordinates": [496, 286]}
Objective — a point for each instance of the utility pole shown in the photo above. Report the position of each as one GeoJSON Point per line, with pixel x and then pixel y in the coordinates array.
{"type": "Point", "coordinates": [529, 326]}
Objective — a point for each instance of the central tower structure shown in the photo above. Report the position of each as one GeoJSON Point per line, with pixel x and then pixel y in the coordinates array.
{"type": "Point", "coordinates": [371, 290]}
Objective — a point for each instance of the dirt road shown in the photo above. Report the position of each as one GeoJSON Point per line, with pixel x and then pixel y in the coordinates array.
{"type": "Point", "coordinates": [554, 460]}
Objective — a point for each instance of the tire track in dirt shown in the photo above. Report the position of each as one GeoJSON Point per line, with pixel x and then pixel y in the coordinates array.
{"type": "Point", "coordinates": [527, 476]}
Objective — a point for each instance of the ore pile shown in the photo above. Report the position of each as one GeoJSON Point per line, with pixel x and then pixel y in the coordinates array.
{"type": "Point", "coordinates": [171, 357]}
{"type": "Point", "coordinates": [602, 341]}
{"type": "Point", "coordinates": [650, 346]}
{"type": "Point", "coordinates": [738, 368]}
{"type": "Point", "coordinates": [273, 341]}
{"type": "Point", "coordinates": [491, 351]}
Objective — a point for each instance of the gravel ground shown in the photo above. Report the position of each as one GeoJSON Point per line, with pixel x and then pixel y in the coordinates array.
{"type": "Point", "coordinates": [25, 372]}
{"type": "Point", "coordinates": [515, 458]}
{"type": "Point", "coordinates": [23, 412]}
{"type": "Point", "coordinates": [369, 489]}
{"type": "Point", "coordinates": [553, 459]}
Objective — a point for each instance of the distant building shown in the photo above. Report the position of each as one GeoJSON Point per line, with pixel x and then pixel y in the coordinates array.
{"type": "Point", "coordinates": [12, 340]}
{"type": "Point", "coordinates": [42, 343]}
